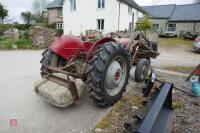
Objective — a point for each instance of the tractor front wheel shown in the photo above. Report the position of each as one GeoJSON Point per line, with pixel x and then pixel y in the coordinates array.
{"type": "Point", "coordinates": [142, 70]}
{"type": "Point", "coordinates": [108, 74]}
{"type": "Point", "coordinates": [51, 59]}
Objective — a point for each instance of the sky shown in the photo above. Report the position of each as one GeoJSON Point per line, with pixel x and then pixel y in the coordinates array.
{"type": "Point", "coordinates": [15, 7]}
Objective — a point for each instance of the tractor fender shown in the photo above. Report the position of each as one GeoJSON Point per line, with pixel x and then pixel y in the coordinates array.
{"type": "Point", "coordinates": [97, 45]}
{"type": "Point", "coordinates": [67, 46]}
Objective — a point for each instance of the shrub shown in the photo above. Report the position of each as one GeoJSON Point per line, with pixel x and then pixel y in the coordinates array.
{"type": "Point", "coordinates": [25, 35]}
{"type": "Point", "coordinates": [3, 28]}
{"type": "Point", "coordinates": [3, 38]}
{"type": "Point", "coordinates": [146, 25]}
{"type": "Point", "coordinates": [21, 26]}
{"type": "Point", "coordinates": [23, 43]}
{"type": "Point", "coordinates": [8, 44]}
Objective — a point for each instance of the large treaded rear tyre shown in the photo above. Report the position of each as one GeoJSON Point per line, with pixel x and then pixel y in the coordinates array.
{"type": "Point", "coordinates": [108, 74]}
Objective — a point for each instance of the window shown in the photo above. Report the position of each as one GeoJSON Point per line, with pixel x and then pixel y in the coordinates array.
{"type": "Point", "coordinates": [72, 5]}
{"type": "Point", "coordinates": [60, 12]}
{"type": "Point", "coordinates": [155, 27]}
{"type": "Point", "coordinates": [101, 3]}
{"type": "Point", "coordinates": [172, 27]}
{"type": "Point", "coordinates": [100, 24]}
{"type": "Point", "coordinates": [129, 9]}
{"type": "Point", "coordinates": [59, 25]}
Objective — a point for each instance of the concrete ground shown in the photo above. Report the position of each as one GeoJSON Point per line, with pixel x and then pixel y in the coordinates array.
{"type": "Point", "coordinates": [18, 71]}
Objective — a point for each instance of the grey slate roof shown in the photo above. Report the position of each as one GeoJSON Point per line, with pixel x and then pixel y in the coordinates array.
{"type": "Point", "coordinates": [133, 4]}
{"type": "Point", "coordinates": [186, 13]}
{"type": "Point", "coordinates": [175, 13]}
{"type": "Point", "coordinates": [55, 4]}
{"type": "Point", "coordinates": [160, 11]}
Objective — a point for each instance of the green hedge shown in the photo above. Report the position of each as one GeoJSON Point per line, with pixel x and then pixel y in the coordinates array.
{"type": "Point", "coordinates": [3, 38]}
{"type": "Point", "coordinates": [5, 27]}
{"type": "Point", "coordinates": [20, 44]}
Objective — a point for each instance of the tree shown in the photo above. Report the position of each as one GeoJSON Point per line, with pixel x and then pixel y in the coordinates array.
{"type": "Point", "coordinates": [3, 13]}
{"type": "Point", "coordinates": [145, 25]}
{"type": "Point", "coordinates": [27, 17]}
{"type": "Point", "coordinates": [39, 10]}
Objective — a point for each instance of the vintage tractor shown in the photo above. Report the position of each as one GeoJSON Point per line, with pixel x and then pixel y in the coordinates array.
{"type": "Point", "coordinates": [104, 66]}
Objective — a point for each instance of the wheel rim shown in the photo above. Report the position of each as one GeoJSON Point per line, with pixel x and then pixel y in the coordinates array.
{"type": "Point", "coordinates": [144, 71]}
{"type": "Point", "coordinates": [115, 76]}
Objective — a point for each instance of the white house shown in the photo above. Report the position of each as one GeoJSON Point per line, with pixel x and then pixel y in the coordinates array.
{"type": "Point", "coordinates": [103, 15]}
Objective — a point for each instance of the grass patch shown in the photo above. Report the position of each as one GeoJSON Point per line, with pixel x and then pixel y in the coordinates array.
{"type": "Point", "coordinates": [182, 69]}
{"type": "Point", "coordinates": [121, 111]}
{"type": "Point", "coordinates": [174, 42]}
{"type": "Point", "coordinates": [177, 105]}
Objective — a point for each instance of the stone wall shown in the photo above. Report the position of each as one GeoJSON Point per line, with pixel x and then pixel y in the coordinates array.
{"type": "Point", "coordinates": [53, 16]}
{"type": "Point", "coordinates": [42, 36]}
{"type": "Point", "coordinates": [162, 24]}
{"type": "Point", "coordinates": [188, 27]}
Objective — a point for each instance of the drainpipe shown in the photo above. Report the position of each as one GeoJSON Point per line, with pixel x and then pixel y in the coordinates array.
{"type": "Point", "coordinates": [119, 14]}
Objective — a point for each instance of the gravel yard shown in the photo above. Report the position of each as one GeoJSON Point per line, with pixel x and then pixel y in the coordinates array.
{"type": "Point", "coordinates": [178, 55]}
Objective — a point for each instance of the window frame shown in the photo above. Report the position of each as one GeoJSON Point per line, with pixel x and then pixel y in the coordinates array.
{"type": "Point", "coordinates": [100, 24]}
{"type": "Point", "coordinates": [156, 26]}
{"type": "Point", "coordinates": [171, 28]}
{"type": "Point", "coordinates": [59, 25]}
{"type": "Point", "coordinates": [101, 4]}
{"type": "Point", "coordinates": [72, 5]}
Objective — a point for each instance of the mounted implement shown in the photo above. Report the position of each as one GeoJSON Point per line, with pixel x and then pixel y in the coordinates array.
{"type": "Point", "coordinates": [158, 110]}
{"type": "Point", "coordinates": [104, 66]}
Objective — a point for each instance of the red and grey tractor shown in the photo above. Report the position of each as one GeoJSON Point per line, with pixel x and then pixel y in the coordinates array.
{"type": "Point", "coordinates": [103, 66]}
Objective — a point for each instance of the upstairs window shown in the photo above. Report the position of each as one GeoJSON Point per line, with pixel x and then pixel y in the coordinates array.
{"type": "Point", "coordinates": [72, 5]}
{"type": "Point", "coordinates": [60, 12]}
{"type": "Point", "coordinates": [101, 3]}
{"type": "Point", "coordinates": [100, 24]}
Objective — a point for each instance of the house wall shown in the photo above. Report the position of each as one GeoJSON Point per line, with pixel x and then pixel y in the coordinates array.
{"type": "Point", "coordinates": [53, 16]}
{"type": "Point", "coordinates": [162, 24]}
{"type": "Point", "coordinates": [126, 17]}
{"type": "Point", "coordinates": [86, 15]}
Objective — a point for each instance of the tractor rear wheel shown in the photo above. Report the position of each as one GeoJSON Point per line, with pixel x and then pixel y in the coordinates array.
{"type": "Point", "coordinates": [108, 74]}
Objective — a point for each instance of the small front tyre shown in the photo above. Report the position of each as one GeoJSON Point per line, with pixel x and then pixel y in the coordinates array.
{"type": "Point", "coordinates": [142, 69]}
